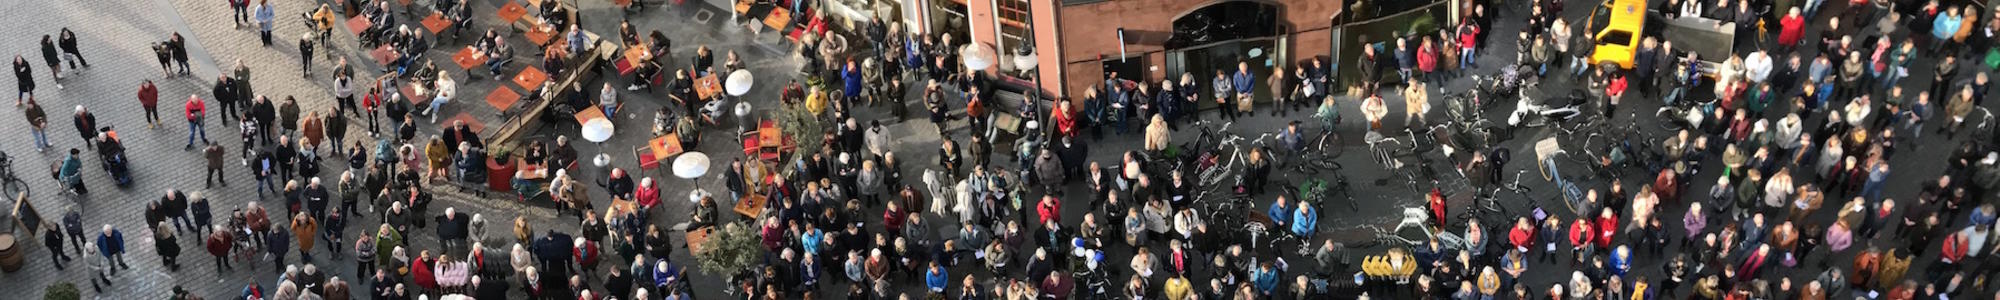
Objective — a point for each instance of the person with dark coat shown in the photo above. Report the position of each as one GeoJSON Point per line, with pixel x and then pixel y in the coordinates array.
{"type": "Point", "coordinates": [225, 94]}
{"type": "Point", "coordinates": [167, 246]}
{"type": "Point", "coordinates": [67, 41]}
{"type": "Point", "coordinates": [86, 126]}
{"type": "Point", "coordinates": [175, 206]}
{"type": "Point", "coordinates": [452, 228]}
{"type": "Point", "coordinates": [218, 245]}
{"type": "Point", "coordinates": [49, 56]}
{"type": "Point", "coordinates": [496, 289]}
{"type": "Point", "coordinates": [24, 79]}
{"type": "Point", "coordinates": [202, 215]}
{"type": "Point", "coordinates": [179, 46]}
{"type": "Point", "coordinates": [264, 113]}
{"type": "Point", "coordinates": [54, 240]}
{"type": "Point", "coordinates": [73, 227]}
{"type": "Point", "coordinates": [111, 244]}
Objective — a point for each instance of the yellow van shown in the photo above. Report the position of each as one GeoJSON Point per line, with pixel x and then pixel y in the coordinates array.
{"type": "Point", "coordinates": [1619, 38]}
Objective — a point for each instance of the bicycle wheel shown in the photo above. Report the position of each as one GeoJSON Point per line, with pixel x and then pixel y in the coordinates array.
{"type": "Point", "coordinates": [1329, 145]}
{"type": "Point", "coordinates": [14, 187]}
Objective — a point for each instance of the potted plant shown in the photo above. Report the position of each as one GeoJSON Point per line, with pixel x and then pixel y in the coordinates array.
{"type": "Point", "coordinates": [731, 249]}
{"type": "Point", "coordinates": [61, 291]}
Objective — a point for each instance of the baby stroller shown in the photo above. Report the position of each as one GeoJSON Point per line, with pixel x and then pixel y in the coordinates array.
{"type": "Point", "coordinates": [111, 154]}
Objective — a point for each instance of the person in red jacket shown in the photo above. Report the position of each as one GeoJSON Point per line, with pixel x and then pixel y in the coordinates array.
{"type": "Point", "coordinates": [195, 110]}
{"type": "Point", "coordinates": [1522, 236]}
{"type": "Point", "coordinates": [372, 102]}
{"type": "Point", "coordinates": [1427, 62]}
{"type": "Point", "coordinates": [1050, 209]}
{"type": "Point", "coordinates": [587, 254]}
{"type": "Point", "coordinates": [1579, 240]}
{"type": "Point", "coordinates": [1791, 28]}
{"type": "Point", "coordinates": [149, 99]}
{"type": "Point", "coordinates": [219, 244]}
{"type": "Point", "coordinates": [1436, 200]}
{"type": "Point", "coordinates": [1950, 254]}
{"type": "Point", "coordinates": [1607, 225]}
{"type": "Point", "coordinates": [1614, 92]}
{"type": "Point", "coordinates": [1468, 41]}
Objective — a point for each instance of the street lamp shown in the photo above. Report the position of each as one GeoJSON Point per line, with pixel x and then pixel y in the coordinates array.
{"type": "Point", "coordinates": [1026, 60]}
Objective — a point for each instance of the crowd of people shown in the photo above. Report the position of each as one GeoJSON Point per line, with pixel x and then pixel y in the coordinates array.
{"type": "Point", "coordinates": [1759, 222]}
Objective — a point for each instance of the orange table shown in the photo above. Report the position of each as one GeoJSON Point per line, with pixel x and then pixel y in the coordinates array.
{"type": "Point", "coordinates": [697, 237]}
{"type": "Point", "coordinates": [751, 205]}
{"type": "Point", "coordinates": [530, 78]}
{"type": "Point", "coordinates": [622, 3]}
{"type": "Point", "coordinates": [707, 86]}
{"type": "Point", "coordinates": [778, 18]}
{"type": "Point", "coordinates": [468, 58]}
{"type": "Point", "coordinates": [384, 55]}
{"type": "Point", "coordinates": [436, 22]}
{"type": "Point", "coordinates": [512, 11]}
{"type": "Point", "coordinates": [537, 34]}
{"type": "Point", "coordinates": [635, 56]}
{"type": "Point", "coordinates": [743, 7]}
{"type": "Point", "coordinates": [502, 97]}
{"type": "Point", "coordinates": [358, 24]}
{"type": "Point", "coordinates": [588, 114]}
{"type": "Point", "coordinates": [769, 135]}
{"type": "Point", "coordinates": [665, 146]}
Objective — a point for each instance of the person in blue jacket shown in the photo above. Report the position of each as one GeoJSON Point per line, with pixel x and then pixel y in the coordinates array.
{"type": "Point", "coordinates": [935, 279]}
{"type": "Point", "coordinates": [111, 244]}
{"type": "Point", "coordinates": [1280, 212]}
{"type": "Point", "coordinates": [1303, 220]}
{"type": "Point", "coordinates": [1265, 278]}
{"type": "Point", "coordinates": [850, 78]}
{"type": "Point", "coordinates": [1621, 260]}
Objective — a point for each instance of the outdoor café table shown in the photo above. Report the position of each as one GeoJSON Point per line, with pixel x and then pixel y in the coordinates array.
{"type": "Point", "coordinates": [634, 56]}
{"type": "Point", "coordinates": [665, 146]}
{"type": "Point", "coordinates": [502, 98]}
{"type": "Point", "coordinates": [358, 24]}
{"type": "Point", "coordinates": [530, 78]}
{"type": "Point", "coordinates": [512, 11]}
{"type": "Point", "coordinates": [697, 237]}
{"type": "Point", "coordinates": [587, 114]}
{"type": "Point", "coordinates": [467, 58]}
{"type": "Point", "coordinates": [778, 18]}
{"type": "Point", "coordinates": [384, 55]}
{"type": "Point", "coordinates": [436, 22]}
{"type": "Point", "coordinates": [751, 206]}
{"type": "Point", "coordinates": [708, 86]}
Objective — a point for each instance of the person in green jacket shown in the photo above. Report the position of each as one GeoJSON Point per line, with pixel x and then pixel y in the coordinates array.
{"type": "Point", "coordinates": [386, 241]}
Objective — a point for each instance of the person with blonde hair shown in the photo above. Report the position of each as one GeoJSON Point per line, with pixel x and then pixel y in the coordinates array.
{"type": "Point", "coordinates": [1156, 135]}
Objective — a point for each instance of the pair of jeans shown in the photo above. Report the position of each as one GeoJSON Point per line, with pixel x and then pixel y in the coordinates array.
{"type": "Point", "coordinates": [41, 138]}
{"type": "Point", "coordinates": [196, 127]}
{"type": "Point", "coordinates": [263, 184]}
{"type": "Point", "coordinates": [1465, 58]}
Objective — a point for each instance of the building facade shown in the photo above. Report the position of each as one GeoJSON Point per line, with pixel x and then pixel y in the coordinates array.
{"type": "Point", "coordinates": [1080, 42]}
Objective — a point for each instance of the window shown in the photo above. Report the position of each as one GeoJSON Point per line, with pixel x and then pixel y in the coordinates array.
{"type": "Point", "coordinates": [1014, 19]}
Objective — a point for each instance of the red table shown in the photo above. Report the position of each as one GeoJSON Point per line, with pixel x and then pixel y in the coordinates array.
{"type": "Point", "coordinates": [384, 55]}
{"type": "Point", "coordinates": [530, 78]}
{"type": "Point", "coordinates": [468, 58]}
{"type": "Point", "coordinates": [512, 11]}
{"type": "Point", "coordinates": [502, 97]}
{"type": "Point", "coordinates": [436, 23]}
{"type": "Point", "coordinates": [358, 24]}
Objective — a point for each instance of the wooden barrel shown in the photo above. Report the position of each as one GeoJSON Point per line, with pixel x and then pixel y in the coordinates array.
{"type": "Point", "coordinates": [10, 253]}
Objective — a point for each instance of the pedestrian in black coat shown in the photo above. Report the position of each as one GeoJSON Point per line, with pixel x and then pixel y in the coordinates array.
{"type": "Point", "coordinates": [175, 205]}
{"type": "Point", "coordinates": [67, 41]}
{"type": "Point", "coordinates": [198, 208]}
{"type": "Point", "coordinates": [225, 94]}
{"type": "Point", "coordinates": [50, 56]}
{"type": "Point", "coordinates": [86, 126]}
{"type": "Point", "coordinates": [24, 79]}
{"type": "Point", "coordinates": [179, 47]}
{"type": "Point", "coordinates": [265, 114]}
{"type": "Point", "coordinates": [54, 240]}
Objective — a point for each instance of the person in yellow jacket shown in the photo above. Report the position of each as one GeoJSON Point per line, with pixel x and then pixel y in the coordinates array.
{"type": "Point", "coordinates": [1178, 288]}
{"type": "Point", "coordinates": [437, 157]}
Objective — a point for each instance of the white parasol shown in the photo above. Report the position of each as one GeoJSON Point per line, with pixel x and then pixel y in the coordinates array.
{"type": "Point", "coordinates": [739, 83]}
{"type": "Point", "coordinates": [691, 165]}
{"type": "Point", "coordinates": [977, 57]}
{"type": "Point", "coordinates": [597, 130]}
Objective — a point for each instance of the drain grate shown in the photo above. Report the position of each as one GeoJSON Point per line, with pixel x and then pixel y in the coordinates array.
{"type": "Point", "coordinates": [703, 16]}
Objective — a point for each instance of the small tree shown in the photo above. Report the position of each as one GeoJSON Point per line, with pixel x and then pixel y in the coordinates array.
{"type": "Point", "coordinates": [730, 249]}
{"type": "Point", "coordinates": [61, 291]}
{"type": "Point", "coordinates": [802, 126]}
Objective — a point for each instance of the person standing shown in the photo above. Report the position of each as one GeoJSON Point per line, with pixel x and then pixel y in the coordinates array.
{"type": "Point", "coordinates": [371, 102]}
{"type": "Point", "coordinates": [218, 244]}
{"type": "Point", "coordinates": [288, 116]}
{"type": "Point", "coordinates": [214, 155]}
{"type": "Point", "coordinates": [1224, 88]}
{"type": "Point", "coordinates": [53, 239]}
{"type": "Point", "coordinates": [179, 45]}
{"type": "Point", "coordinates": [167, 246]}
{"type": "Point", "coordinates": [67, 41]}
{"type": "Point", "coordinates": [304, 228]}
{"type": "Point", "coordinates": [24, 79]}
{"type": "Point", "coordinates": [336, 129]}
{"type": "Point", "coordinates": [111, 244]}
{"type": "Point", "coordinates": [86, 126]}
{"type": "Point", "coordinates": [306, 55]}
{"type": "Point", "coordinates": [175, 206]}
{"type": "Point", "coordinates": [267, 16]}
{"type": "Point", "coordinates": [264, 113]}
{"type": "Point", "coordinates": [38, 124]}
{"type": "Point", "coordinates": [343, 92]}
{"type": "Point", "coordinates": [195, 111]}
{"type": "Point", "coordinates": [242, 9]}
{"type": "Point", "coordinates": [1244, 83]}
{"type": "Point", "coordinates": [199, 209]}
{"type": "Point", "coordinates": [225, 94]}
{"type": "Point", "coordinates": [241, 77]}
{"type": "Point", "coordinates": [149, 99]}
{"type": "Point", "coordinates": [49, 56]}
